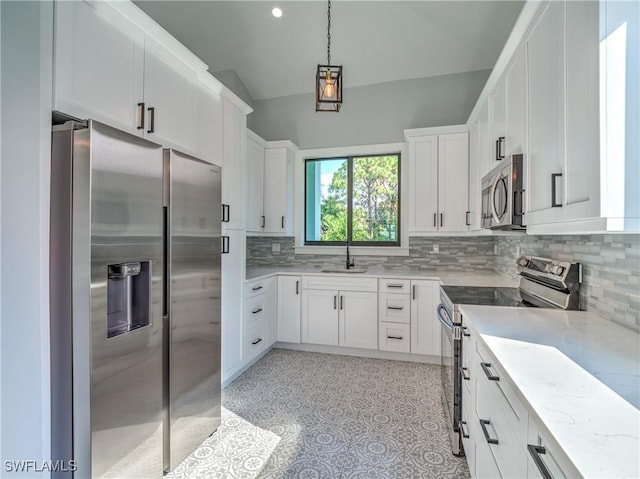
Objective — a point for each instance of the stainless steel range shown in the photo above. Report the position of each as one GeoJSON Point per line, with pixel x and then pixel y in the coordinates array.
{"type": "Point", "coordinates": [544, 283]}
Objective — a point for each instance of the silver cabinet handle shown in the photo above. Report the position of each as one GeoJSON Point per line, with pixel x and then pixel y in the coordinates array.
{"type": "Point", "coordinates": [413, 292]}
{"type": "Point", "coordinates": [535, 452]}
{"type": "Point", "coordinates": [554, 187]}
{"type": "Point", "coordinates": [256, 341]}
{"type": "Point", "coordinates": [263, 221]}
{"type": "Point", "coordinates": [466, 377]}
{"type": "Point", "coordinates": [435, 215]}
{"type": "Point", "coordinates": [225, 244]}
{"type": "Point", "coordinates": [256, 288]}
{"type": "Point", "coordinates": [226, 213]}
{"type": "Point", "coordinates": [489, 374]}
{"type": "Point", "coordinates": [500, 148]}
{"type": "Point", "coordinates": [441, 219]}
{"type": "Point", "coordinates": [467, 221]}
{"type": "Point", "coordinates": [141, 116]}
{"type": "Point", "coordinates": [395, 285]}
{"type": "Point", "coordinates": [395, 308]}
{"type": "Point", "coordinates": [298, 287]}
{"type": "Point", "coordinates": [256, 311]}
{"type": "Point", "coordinates": [461, 426]}
{"type": "Point", "coordinates": [394, 337]}
{"type": "Point", "coordinates": [483, 424]}
{"type": "Point", "coordinates": [152, 119]}
{"type": "Point", "coordinates": [341, 301]}
{"type": "Point", "coordinates": [335, 302]}
{"type": "Point", "coordinates": [282, 222]}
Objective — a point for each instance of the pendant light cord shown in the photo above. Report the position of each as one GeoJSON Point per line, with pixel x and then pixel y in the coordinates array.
{"type": "Point", "coordinates": [329, 32]}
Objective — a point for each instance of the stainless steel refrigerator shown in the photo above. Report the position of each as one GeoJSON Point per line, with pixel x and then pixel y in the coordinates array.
{"type": "Point", "coordinates": [135, 303]}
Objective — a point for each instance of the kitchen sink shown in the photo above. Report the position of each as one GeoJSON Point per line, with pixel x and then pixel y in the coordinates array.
{"type": "Point", "coordinates": [343, 270]}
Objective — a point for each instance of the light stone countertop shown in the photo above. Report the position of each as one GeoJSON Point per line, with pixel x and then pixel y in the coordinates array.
{"type": "Point", "coordinates": [484, 278]}
{"type": "Point", "coordinates": [578, 374]}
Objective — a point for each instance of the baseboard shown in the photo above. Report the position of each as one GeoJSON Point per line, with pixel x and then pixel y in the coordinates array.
{"type": "Point", "coordinates": [235, 375]}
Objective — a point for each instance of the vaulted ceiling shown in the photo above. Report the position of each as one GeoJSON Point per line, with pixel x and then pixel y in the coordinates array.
{"type": "Point", "coordinates": [375, 41]}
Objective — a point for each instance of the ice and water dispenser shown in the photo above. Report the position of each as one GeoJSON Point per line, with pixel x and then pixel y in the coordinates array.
{"type": "Point", "coordinates": [128, 297]}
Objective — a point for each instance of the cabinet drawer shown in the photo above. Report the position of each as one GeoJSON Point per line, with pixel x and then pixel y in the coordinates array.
{"type": "Point", "coordinates": [255, 288]}
{"type": "Point", "coordinates": [394, 308]}
{"type": "Point", "coordinates": [342, 282]}
{"type": "Point", "coordinates": [394, 337]}
{"type": "Point", "coordinates": [254, 341]}
{"type": "Point", "coordinates": [255, 310]}
{"type": "Point", "coordinates": [396, 286]}
{"type": "Point", "coordinates": [542, 454]}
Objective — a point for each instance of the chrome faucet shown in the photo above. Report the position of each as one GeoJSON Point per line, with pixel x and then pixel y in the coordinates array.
{"type": "Point", "coordinates": [350, 263]}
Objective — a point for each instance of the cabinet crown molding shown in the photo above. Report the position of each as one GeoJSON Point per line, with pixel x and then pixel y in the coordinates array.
{"type": "Point", "coordinates": [289, 145]}
{"type": "Point", "coordinates": [436, 130]}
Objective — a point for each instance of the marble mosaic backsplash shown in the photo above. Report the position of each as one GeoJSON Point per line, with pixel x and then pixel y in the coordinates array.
{"type": "Point", "coordinates": [456, 254]}
{"type": "Point", "coordinates": [611, 263]}
{"type": "Point", "coordinates": [610, 266]}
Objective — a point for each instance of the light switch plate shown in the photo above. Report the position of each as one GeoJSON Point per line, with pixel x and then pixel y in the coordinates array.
{"type": "Point", "coordinates": [275, 247]}
{"type": "Point", "coordinates": [435, 249]}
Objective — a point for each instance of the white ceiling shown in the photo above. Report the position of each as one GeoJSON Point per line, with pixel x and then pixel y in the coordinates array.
{"type": "Point", "coordinates": [375, 41]}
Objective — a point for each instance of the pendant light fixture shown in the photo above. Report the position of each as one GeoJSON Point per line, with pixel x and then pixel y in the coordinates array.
{"type": "Point", "coordinates": [329, 78]}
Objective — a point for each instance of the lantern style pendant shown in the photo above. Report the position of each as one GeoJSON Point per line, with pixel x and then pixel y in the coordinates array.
{"type": "Point", "coordinates": [329, 78]}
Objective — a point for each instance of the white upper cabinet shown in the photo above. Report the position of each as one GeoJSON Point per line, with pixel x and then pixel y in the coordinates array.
{"type": "Point", "coordinates": [255, 182]}
{"type": "Point", "coordinates": [498, 112]}
{"type": "Point", "coordinates": [438, 180]}
{"type": "Point", "coordinates": [205, 127]}
{"type": "Point", "coordinates": [278, 187]}
{"type": "Point", "coordinates": [234, 165]}
{"type": "Point", "coordinates": [545, 52]}
{"type": "Point", "coordinates": [98, 71]}
{"type": "Point", "coordinates": [516, 104]}
{"type": "Point", "coordinates": [166, 98]}
{"type": "Point", "coordinates": [270, 185]}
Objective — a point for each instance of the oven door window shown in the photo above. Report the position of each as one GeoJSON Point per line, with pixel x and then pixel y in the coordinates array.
{"type": "Point", "coordinates": [499, 198]}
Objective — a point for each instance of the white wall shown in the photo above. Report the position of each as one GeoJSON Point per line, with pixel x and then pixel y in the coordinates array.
{"type": "Point", "coordinates": [27, 42]}
{"type": "Point", "coordinates": [370, 114]}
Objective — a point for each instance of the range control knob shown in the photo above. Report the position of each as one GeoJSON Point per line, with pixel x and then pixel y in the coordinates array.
{"type": "Point", "coordinates": [558, 270]}
{"type": "Point", "coordinates": [522, 261]}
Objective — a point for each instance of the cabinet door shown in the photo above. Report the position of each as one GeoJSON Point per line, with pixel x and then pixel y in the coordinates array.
{"type": "Point", "coordinates": [320, 317]}
{"type": "Point", "coordinates": [166, 97]}
{"type": "Point", "coordinates": [233, 266]}
{"type": "Point", "coordinates": [255, 179]}
{"type": "Point", "coordinates": [275, 190]}
{"type": "Point", "coordinates": [205, 124]}
{"type": "Point", "coordinates": [516, 104]}
{"type": "Point", "coordinates": [99, 61]}
{"type": "Point", "coordinates": [498, 112]}
{"type": "Point", "coordinates": [289, 309]}
{"type": "Point", "coordinates": [453, 182]}
{"type": "Point", "coordinates": [582, 172]}
{"type": "Point", "coordinates": [484, 144]}
{"type": "Point", "coordinates": [475, 180]}
{"type": "Point", "coordinates": [546, 63]}
{"type": "Point", "coordinates": [425, 328]}
{"type": "Point", "coordinates": [358, 320]}
{"type": "Point", "coordinates": [233, 168]}
{"type": "Point", "coordinates": [423, 184]}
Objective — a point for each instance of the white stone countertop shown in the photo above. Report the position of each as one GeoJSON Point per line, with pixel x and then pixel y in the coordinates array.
{"type": "Point", "coordinates": [485, 278]}
{"type": "Point", "coordinates": [579, 376]}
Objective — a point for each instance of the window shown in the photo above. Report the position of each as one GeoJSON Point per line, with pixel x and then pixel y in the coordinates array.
{"type": "Point", "coordinates": [354, 199]}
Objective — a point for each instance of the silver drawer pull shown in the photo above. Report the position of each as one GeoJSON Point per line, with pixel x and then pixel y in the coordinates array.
{"type": "Point", "coordinates": [489, 374]}
{"type": "Point", "coordinates": [256, 311]}
{"type": "Point", "coordinates": [466, 377]}
{"type": "Point", "coordinates": [256, 341]}
{"type": "Point", "coordinates": [256, 288]}
{"type": "Point", "coordinates": [461, 426]}
{"type": "Point", "coordinates": [535, 452]}
{"type": "Point", "coordinates": [395, 285]}
{"type": "Point", "coordinates": [395, 308]}
{"type": "Point", "coordinates": [483, 424]}
{"type": "Point", "coordinates": [394, 337]}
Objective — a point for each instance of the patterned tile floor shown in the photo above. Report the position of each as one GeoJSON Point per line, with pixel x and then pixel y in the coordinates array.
{"type": "Point", "coordinates": [343, 417]}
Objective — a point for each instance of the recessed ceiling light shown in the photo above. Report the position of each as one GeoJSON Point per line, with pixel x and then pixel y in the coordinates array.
{"type": "Point", "coordinates": [276, 12]}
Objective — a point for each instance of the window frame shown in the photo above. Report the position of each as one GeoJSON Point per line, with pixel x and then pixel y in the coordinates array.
{"type": "Point", "coordinates": [350, 157]}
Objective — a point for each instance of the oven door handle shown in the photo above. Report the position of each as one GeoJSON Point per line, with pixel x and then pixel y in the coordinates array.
{"type": "Point", "coordinates": [446, 322]}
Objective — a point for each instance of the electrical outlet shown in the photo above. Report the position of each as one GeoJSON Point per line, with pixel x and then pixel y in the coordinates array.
{"type": "Point", "coordinates": [435, 249]}
{"type": "Point", "coordinates": [275, 247]}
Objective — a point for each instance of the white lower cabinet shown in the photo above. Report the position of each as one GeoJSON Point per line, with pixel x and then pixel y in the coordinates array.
{"type": "Point", "coordinates": [340, 317]}
{"type": "Point", "coordinates": [233, 266]}
{"type": "Point", "coordinates": [289, 305]}
{"type": "Point", "coordinates": [425, 328]}
{"type": "Point", "coordinates": [258, 318]}
{"type": "Point", "coordinates": [394, 315]}
{"type": "Point", "coordinates": [394, 337]}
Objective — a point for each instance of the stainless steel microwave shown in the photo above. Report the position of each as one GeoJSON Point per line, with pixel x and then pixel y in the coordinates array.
{"type": "Point", "coordinates": [503, 196]}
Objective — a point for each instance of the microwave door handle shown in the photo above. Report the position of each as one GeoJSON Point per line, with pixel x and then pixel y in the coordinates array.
{"type": "Point", "coordinates": [492, 199]}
